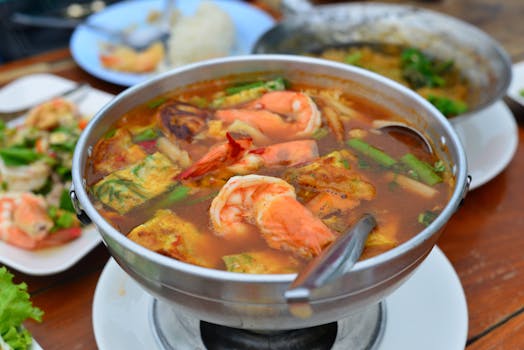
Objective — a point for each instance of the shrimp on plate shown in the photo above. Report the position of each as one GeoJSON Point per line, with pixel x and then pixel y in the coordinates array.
{"type": "Point", "coordinates": [281, 114]}
{"type": "Point", "coordinates": [125, 59]}
{"type": "Point", "coordinates": [26, 177]}
{"type": "Point", "coordinates": [270, 204]}
{"type": "Point", "coordinates": [25, 223]}
{"type": "Point", "coordinates": [50, 114]}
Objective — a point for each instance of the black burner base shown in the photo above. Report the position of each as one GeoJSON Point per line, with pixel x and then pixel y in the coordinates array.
{"type": "Point", "coordinates": [174, 330]}
{"type": "Point", "coordinates": [216, 337]}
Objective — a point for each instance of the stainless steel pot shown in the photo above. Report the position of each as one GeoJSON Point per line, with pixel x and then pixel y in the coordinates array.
{"type": "Point", "coordinates": [480, 58]}
{"type": "Point", "coordinates": [257, 301]}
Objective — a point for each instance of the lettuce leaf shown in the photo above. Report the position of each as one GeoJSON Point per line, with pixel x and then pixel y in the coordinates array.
{"type": "Point", "coordinates": [15, 308]}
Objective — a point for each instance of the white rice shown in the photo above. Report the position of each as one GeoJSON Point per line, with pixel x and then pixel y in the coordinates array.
{"type": "Point", "coordinates": [209, 33]}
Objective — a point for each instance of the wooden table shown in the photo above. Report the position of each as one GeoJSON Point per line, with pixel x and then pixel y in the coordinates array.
{"type": "Point", "coordinates": [484, 240]}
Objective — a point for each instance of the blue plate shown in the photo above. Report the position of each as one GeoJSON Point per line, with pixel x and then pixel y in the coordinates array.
{"type": "Point", "coordinates": [250, 23]}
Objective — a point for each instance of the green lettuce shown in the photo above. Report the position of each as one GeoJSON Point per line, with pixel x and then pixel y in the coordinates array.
{"type": "Point", "coordinates": [15, 308]}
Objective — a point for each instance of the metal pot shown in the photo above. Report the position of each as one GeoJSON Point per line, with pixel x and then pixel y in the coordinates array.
{"type": "Point", "coordinates": [479, 58]}
{"type": "Point", "coordinates": [257, 301]}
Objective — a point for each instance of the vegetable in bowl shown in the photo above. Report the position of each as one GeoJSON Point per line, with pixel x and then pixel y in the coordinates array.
{"type": "Point", "coordinates": [439, 81]}
{"type": "Point", "coordinates": [15, 308]}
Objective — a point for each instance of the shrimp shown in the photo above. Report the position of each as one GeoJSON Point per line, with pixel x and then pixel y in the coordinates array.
{"type": "Point", "coordinates": [125, 59]}
{"type": "Point", "coordinates": [219, 155]}
{"type": "Point", "coordinates": [26, 177]}
{"type": "Point", "coordinates": [281, 154]}
{"type": "Point", "coordinates": [237, 157]}
{"type": "Point", "coordinates": [282, 114]}
{"type": "Point", "coordinates": [270, 204]}
{"type": "Point", "coordinates": [49, 115]}
{"type": "Point", "coordinates": [24, 222]}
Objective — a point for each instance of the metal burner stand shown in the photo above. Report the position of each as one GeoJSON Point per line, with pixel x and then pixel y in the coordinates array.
{"type": "Point", "coordinates": [174, 330]}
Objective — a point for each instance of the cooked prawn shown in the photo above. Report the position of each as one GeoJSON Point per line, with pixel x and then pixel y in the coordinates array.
{"type": "Point", "coordinates": [26, 177]}
{"type": "Point", "coordinates": [50, 114]}
{"type": "Point", "coordinates": [281, 114]}
{"type": "Point", "coordinates": [125, 59]}
{"type": "Point", "coordinates": [270, 204]}
{"type": "Point", "coordinates": [281, 154]}
{"type": "Point", "coordinates": [236, 156]}
{"type": "Point", "coordinates": [219, 155]}
{"type": "Point", "coordinates": [24, 222]}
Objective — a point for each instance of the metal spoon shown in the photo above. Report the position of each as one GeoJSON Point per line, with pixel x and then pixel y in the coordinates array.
{"type": "Point", "coordinates": [395, 126]}
{"type": "Point", "coordinates": [332, 263]}
{"type": "Point", "coordinates": [140, 37]}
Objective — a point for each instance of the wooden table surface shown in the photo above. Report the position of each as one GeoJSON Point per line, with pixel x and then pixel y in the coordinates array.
{"type": "Point", "coordinates": [484, 240]}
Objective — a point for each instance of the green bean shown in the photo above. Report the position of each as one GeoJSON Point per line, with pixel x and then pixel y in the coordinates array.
{"type": "Point", "coordinates": [16, 156]}
{"type": "Point", "coordinates": [146, 135]}
{"type": "Point", "coordinates": [372, 152]}
{"type": "Point", "coordinates": [423, 169]}
{"type": "Point", "coordinates": [179, 193]}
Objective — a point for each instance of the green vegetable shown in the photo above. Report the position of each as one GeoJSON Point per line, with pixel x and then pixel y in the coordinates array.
{"type": "Point", "coordinates": [420, 71]}
{"type": "Point", "coordinates": [371, 152]}
{"type": "Point", "coordinates": [447, 106]}
{"type": "Point", "coordinates": [354, 58]}
{"type": "Point", "coordinates": [110, 134]}
{"type": "Point", "coordinates": [15, 308]}
{"type": "Point", "coordinates": [64, 172]}
{"type": "Point", "coordinates": [424, 171]}
{"type": "Point", "coordinates": [157, 102]}
{"type": "Point", "coordinates": [146, 135]}
{"type": "Point", "coordinates": [271, 85]}
{"type": "Point", "coordinates": [65, 201]}
{"type": "Point", "coordinates": [427, 217]}
{"type": "Point", "coordinates": [61, 218]}
{"type": "Point", "coordinates": [210, 195]}
{"type": "Point", "coordinates": [179, 193]}
{"type": "Point", "coordinates": [320, 133]}
{"type": "Point", "coordinates": [439, 166]}
{"type": "Point", "coordinates": [521, 92]}
{"type": "Point", "coordinates": [18, 156]}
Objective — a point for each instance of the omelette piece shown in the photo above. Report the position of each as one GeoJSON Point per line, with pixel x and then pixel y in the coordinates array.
{"type": "Point", "coordinates": [116, 151]}
{"type": "Point", "coordinates": [261, 262]}
{"type": "Point", "coordinates": [130, 187]}
{"type": "Point", "coordinates": [332, 172]}
{"type": "Point", "coordinates": [168, 234]}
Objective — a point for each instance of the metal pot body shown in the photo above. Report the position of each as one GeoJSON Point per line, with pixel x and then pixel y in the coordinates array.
{"type": "Point", "coordinates": [257, 301]}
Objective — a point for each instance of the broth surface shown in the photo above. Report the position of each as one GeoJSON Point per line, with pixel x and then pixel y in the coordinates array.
{"type": "Point", "coordinates": [259, 177]}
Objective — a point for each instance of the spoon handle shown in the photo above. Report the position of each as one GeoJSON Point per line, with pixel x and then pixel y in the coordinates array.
{"type": "Point", "coordinates": [333, 262]}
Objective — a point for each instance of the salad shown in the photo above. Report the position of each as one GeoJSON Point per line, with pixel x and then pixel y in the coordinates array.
{"type": "Point", "coordinates": [15, 308]}
{"type": "Point", "coordinates": [35, 175]}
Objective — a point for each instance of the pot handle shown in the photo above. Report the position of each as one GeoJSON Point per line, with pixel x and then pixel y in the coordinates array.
{"type": "Point", "coordinates": [80, 213]}
{"type": "Point", "coordinates": [334, 261]}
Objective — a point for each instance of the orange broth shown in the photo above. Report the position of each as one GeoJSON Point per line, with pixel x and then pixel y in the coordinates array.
{"type": "Point", "coordinates": [396, 209]}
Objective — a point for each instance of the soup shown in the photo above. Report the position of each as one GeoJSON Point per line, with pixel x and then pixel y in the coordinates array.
{"type": "Point", "coordinates": [260, 176]}
{"type": "Point", "coordinates": [439, 81]}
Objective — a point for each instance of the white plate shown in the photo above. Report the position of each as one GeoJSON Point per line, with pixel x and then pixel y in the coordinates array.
{"type": "Point", "coordinates": [250, 23]}
{"type": "Point", "coordinates": [517, 83]}
{"type": "Point", "coordinates": [30, 90]}
{"type": "Point", "coordinates": [490, 139]}
{"type": "Point", "coordinates": [427, 312]}
{"type": "Point", "coordinates": [53, 260]}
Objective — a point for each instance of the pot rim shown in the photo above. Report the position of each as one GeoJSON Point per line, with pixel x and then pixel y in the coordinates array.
{"type": "Point", "coordinates": [460, 170]}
